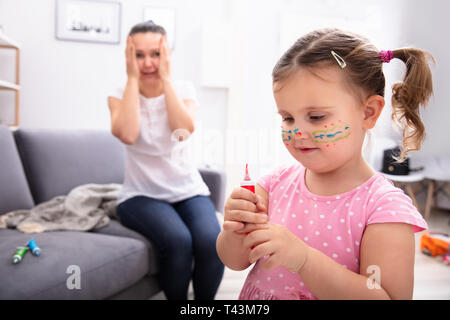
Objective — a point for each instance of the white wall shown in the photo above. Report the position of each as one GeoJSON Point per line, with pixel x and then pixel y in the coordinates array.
{"type": "Point", "coordinates": [65, 84]}
{"type": "Point", "coordinates": [425, 26]}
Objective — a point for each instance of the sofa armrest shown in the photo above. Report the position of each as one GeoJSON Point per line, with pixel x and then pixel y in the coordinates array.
{"type": "Point", "coordinates": [216, 182]}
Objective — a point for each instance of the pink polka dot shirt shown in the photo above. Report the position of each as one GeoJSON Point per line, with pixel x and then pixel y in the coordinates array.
{"type": "Point", "coordinates": [333, 225]}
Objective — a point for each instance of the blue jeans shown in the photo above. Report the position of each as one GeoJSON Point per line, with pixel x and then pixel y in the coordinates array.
{"type": "Point", "coordinates": [181, 232]}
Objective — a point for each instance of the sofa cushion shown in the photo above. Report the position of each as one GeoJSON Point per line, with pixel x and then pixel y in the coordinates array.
{"type": "Point", "coordinates": [14, 191]}
{"type": "Point", "coordinates": [56, 160]}
{"type": "Point", "coordinates": [115, 228]}
{"type": "Point", "coordinates": [107, 265]}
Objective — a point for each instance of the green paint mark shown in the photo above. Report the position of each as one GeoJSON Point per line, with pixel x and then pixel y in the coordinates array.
{"type": "Point", "coordinates": [336, 133]}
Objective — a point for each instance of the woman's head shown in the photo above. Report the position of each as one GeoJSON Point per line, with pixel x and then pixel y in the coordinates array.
{"type": "Point", "coordinates": [343, 72]}
{"type": "Point", "coordinates": [148, 26]}
{"type": "Point", "coordinates": [147, 39]}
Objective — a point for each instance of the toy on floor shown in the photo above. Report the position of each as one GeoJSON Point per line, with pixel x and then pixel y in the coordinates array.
{"type": "Point", "coordinates": [435, 244]}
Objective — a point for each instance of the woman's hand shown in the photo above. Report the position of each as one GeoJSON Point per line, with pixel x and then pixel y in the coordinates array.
{"type": "Point", "coordinates": [132, 65]}
{"type": "Point", "coordinates": [164, 60]}
{"type": "Point", "coordinates": [242, 207]}
{"type": "Point", "coordinates": [284, 248]}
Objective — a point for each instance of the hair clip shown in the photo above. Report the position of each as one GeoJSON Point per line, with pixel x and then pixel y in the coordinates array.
{"type": "Point", "coordinates": [339, 59]}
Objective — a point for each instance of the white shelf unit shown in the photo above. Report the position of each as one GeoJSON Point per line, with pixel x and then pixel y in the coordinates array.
{"type": "Point", "coordinates": [6, 43]}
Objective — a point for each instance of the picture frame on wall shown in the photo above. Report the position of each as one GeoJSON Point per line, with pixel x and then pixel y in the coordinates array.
{"type": "Point", "coordinates": [164, 17]}
{"type": "Point", "coordinates": [88, 20]}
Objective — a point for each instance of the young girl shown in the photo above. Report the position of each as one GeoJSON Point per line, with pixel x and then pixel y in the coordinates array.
{"type": "Point", "coordinates": [330, 227]}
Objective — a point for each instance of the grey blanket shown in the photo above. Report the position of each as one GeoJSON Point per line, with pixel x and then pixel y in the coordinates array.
{"type": "Point", "coordinates": [86, 207]}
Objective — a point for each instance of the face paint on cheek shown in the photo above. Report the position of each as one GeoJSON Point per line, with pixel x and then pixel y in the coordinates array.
{"type": "Point", "coordinates": [288, 135]}
{"type": "Point", "coordinates": [297, 132]}
{"type": "Point", "coordinates": [330, 135]}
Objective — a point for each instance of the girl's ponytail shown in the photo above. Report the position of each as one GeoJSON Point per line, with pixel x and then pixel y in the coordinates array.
{"type": "Point", "coordinates": [407, 96]}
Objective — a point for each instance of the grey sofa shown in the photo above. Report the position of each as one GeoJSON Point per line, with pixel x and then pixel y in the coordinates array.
{"type": "Point", "coordinates": [114, 261]}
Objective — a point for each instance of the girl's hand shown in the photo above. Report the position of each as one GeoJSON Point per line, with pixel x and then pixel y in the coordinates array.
{"type": "Point", "coordinates": [284, 248]}
{"type": "Point", "coordinates": [242, 207]}
{"type": "Point", "coordinates": [164, 62]}
{"type": "Point", "coordinates": [132, 65]}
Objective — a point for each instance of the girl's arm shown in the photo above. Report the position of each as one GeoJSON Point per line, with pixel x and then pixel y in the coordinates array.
{"type": "Point", "coordinates": [387, 254]}
{"type": "Point", "coordinates": [230, 250]}
{"type": "Point", "coordinates": [229, 243]}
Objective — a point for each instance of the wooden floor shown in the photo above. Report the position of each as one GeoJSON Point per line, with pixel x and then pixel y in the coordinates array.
{"type": "Point", "coordinates": [431, 281]}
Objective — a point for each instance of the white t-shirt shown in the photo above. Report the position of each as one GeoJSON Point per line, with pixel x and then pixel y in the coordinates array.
{"type": "Point", "coordinates": [157, 164]}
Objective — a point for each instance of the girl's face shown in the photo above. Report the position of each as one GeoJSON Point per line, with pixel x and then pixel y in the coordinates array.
{"type": "Point", "coordinates": [147, 54]}
{"type": "Point", "coordinates": [322, 120]}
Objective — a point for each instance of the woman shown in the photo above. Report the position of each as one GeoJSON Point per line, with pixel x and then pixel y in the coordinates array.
{"type": "Point", "coordinates": [163, 198]}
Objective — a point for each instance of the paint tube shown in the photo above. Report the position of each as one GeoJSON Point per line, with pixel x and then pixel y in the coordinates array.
{"type": "Point", "coordinates": [35, 250]}
{"type": "Point", "coordinates": [20, 253]}
{"type": "Point", "coordinates": [247, 183]}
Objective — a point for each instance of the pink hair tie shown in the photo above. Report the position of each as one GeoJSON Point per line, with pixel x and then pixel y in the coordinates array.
{"type": "Point", "coordinates": [386, 56]}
